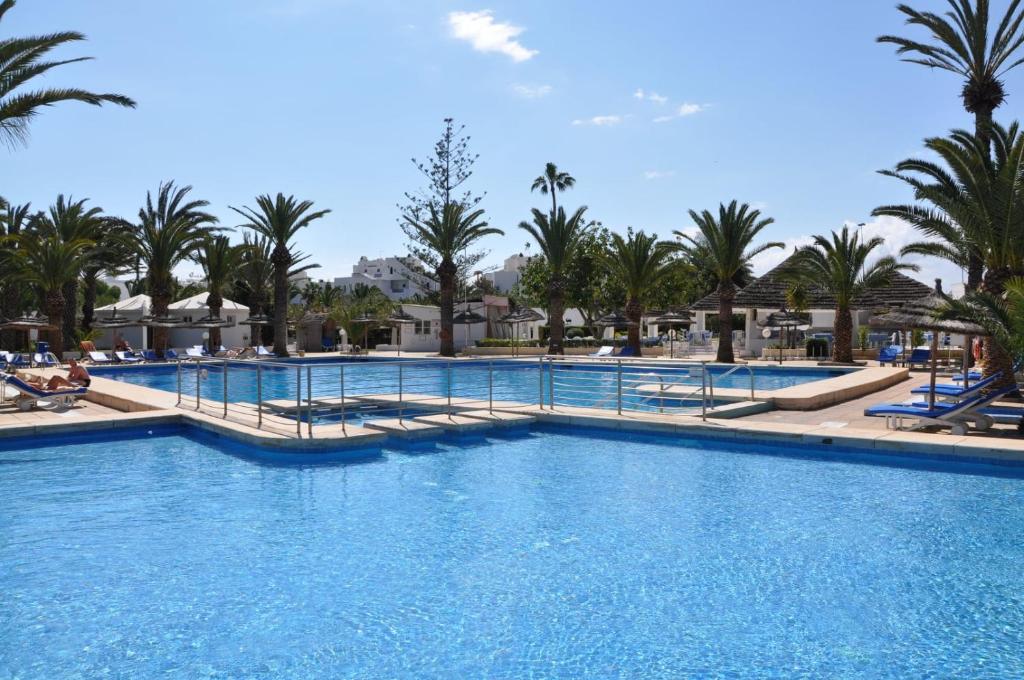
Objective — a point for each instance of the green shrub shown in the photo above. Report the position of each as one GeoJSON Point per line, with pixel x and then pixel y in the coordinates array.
{"type": "Point", "coordinates": [506, 342]}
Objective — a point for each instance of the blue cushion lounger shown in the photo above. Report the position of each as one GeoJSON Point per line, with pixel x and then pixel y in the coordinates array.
{"type": "Point", "coordinates": [627, 352]}
{"type": "Point", "coordinates": [602, 351]}
{"type": "Point", "coordinates": [889, 355]}
{"type": "Point", "coordinates": [46, 360]}
{"type": "Point", "coordinates": [18, 361]}
{"type": "Point", "coordinates": [954, 416]}
{"type": "Point", "coordinates": [149, 355]}
{"type": "Point", "coordinates": [919, 356]}
{"type": "Point", "coordinates": [170, 354]}
{"type": "Point", "coordinates": [948, 390]}
{"type": "Point", "coordinates": [263, 352]}
{"type": "Point", "coordinates": [126, 358]}
{"type": "Point", "coordinates": [29, 395]}
{"type": "Point", "coordinates": [195, 353]}
{"type": "Point", "coordinates": [99, 358]}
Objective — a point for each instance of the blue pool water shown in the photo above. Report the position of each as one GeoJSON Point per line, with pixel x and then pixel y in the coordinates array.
{"type": "Point", "coordinates": [546, 555]}
{"type": "Point", "coordinates": [520, 381]}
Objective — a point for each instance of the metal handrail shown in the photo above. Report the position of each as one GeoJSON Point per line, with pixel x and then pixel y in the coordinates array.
{"type": "Point", "coordinates": [730, 372]}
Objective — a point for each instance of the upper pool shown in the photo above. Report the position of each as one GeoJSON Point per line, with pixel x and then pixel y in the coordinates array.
{"type": "Point", "coordinates": [578, 384]}
{"type": "Point", "coordinates": [553, 554]}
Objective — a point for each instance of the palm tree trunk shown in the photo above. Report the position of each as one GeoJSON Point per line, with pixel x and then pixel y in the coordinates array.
{"type": "Point", "coordinates": [726, 294]}
{"type": "Point", "coordinates": [214, 301]}
{"type": "Point", "coordinates": [89, 278]}
{"type": "Point", "coordinates": [556, 315]}
{"type": "Point", "coordinates": [69, 320]}
{"type": "Point", "coordinates": [842, 344]}
{"type": "Point", "coordinates": [161, 300]}
{"type": "Point", "coordinates": [282, 260]}
{"type": "Point", "coordinates": [634, 312]}
{"type": "Point", "coordinates": [446, 278]}
{"type": "Point", "coordinates": [55, 310]}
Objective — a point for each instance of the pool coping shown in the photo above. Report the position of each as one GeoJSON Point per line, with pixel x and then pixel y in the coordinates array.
{"type": "Point", "coordinates": [144, 405]}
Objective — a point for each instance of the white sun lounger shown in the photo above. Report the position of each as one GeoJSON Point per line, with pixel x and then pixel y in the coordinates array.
{"type": "Point", "coordinates": [99, 358]}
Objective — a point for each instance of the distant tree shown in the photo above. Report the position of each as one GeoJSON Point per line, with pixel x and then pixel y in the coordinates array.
{"type": "Point", "coordinates": [21, 60]}
{"type": "Point", "coordinates": [724, 245]}
{"type": "Point", "coordinates": [279, 220]}
{"type": "Point", "coordinates": [551, 182]}
{"type": "Point", "coordinates": [640, 262]}
{"type": "Point", "coordinates": [14, 294]}
{"type": "Point", "coordinates": [106, 294]}
{"type": "Point", "coordinates": [558, 237]}
{"type": "Point", "coordinates": [220, 261]}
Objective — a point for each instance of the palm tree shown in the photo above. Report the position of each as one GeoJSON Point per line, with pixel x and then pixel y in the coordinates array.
{"type": "Point", "coordinates": [559, 239]}
{"type": "Point", "coordinates": [961, 46]}
{"type": "Point", "coordinates": [974, 203]}
{"type": "Point", "coordinates": [446, 234]}
{"type": "Point", "coordinates": [71, 220]}
{"type": "Point", "coordinates": [219, 260]}
{"type": "Point", "coordinates": [553, 181]}
{"type": "Point", "coordinates": [279, 220]}
{"type": "Point", "coordinates": [639, 262]}
{"type": "Point", "coordinates": [723, 245]}
{"type": "Point", "coordinates": [13, 219]}
{"type": "Point", "coordinates": [838, 266]}
{"type": "Point", "coordinates": [46, 260]}
{"type": "Point", "coordinates": [169, 232]}
{"type": "Point", "coordinates": [21, 60]}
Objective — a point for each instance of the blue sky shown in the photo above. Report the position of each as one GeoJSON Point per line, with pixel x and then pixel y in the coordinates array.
{"type": "Point", "coordinates": [655, 107]}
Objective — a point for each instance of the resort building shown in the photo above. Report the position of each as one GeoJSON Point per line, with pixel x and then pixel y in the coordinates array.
{"type": "Point", "coordinates": [767, 294]}
{"type": "Point", "coordinates": [396, 277]}
{"type": "Point", "coordinates": [506, 278]}
{"type": "Point", "coordinates": [194, 308]}
{"type": "Point", "coordinates": [133, 309]}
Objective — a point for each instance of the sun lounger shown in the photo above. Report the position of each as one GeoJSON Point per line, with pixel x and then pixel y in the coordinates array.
{"type": "Point", "coordinates": [99, 358]}
{"type": "Point", "coordinates": [170, 355]}
{"type": "Point", "coordinates": [603, 351]}
{"type": "Point", "coordinates": [16, 360]}
{"type": "Point", "coordinates": [29, 395]}
{"type": "Point", "coordinates": [628, 352]}
{"type": "Point", "coordinates": [44, 360]}
{"type": "Point", "coordinates": [194, 353]}
{"type": "Point", "coordinates": [149, 355]}
{"type": "Point", "coordinates": [954, 416]}
{"type": "Point", "coordinates": [919, 356]}
{"type": "Point", "coordinates": [126, 358]}
{"type": "Point", "coordinates": [889, 355]}
{"type": "Point", "coordinates": [264, 353]}
{"type": "Point", "coordinates": [950, 390]}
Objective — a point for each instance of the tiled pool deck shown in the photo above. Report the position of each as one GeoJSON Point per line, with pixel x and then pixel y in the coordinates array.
{"type": "Point", "coordinates": [838, 421]}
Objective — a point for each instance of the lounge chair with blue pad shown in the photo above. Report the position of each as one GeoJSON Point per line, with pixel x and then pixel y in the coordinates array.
{"type": "Point", "coordinates": [29, 395]}
{"type": "Point", "coordinates": [921, 356]}
{"type": "Point", "coordinates": [954, 416]}
{"type": "Point", "coordinates": [194, 353]}
{"type": "Point", "coordinates": [149, 355]}
{"type": "Point", "coordinates": [602, 351]}
{"type": "Point", "coordinates": [44, 360]}
{"type": "Point", "coordinates": [948, 390]}
{"type": "Point", "coordinates": [126, 358]}
{"type": "Point", "coordinates": [628, 352]}
{"type": "Point", "coordinates": [889, 355]}
{"type": "Point", "coordinates": [99, 358]}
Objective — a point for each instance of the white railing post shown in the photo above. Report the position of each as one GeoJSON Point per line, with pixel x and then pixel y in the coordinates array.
{"type": "Point", "coordinates": [259, 396]}
{"type": "Point", "coordinates": [298, 402]}
{"type": "Point", "coordinates": [704, 390]}
{"type": "Point", "coordinates": [619, 387]}
{"type": "Point", "coordinates": [309, 401]}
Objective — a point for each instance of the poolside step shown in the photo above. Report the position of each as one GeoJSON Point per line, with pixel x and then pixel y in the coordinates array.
{"type": "Point", "coordinates": [406, 428]}
{"type": "Point", "coordinates": [500, 418]}
{"type": "Point", "coordinates": [740, 408]}
{"type": "Point", "coordinates": [455, 422]}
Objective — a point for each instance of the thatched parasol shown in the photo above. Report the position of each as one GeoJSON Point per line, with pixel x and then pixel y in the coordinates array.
{"type": "Point", "coordinates": [672, 319]}
{"type": "Point", "coordinates": [29, 323]}
{"type": "Point", "coordinates": [616, 319]}
{"type": "Point", "coordinates": [162, 321]}
{"type": "Point", "coordinates": [395, 319]}
{"type": "Point", "coordinates": [114, 320]}
{"type": "Point", "coordinates": [924, 313]}
{"type": "Point", "coordinates": [782, 320]}
{"type": "Point", "coordinates": [517, 317]}
{"type": "Point", "coordinates": [211, 322]}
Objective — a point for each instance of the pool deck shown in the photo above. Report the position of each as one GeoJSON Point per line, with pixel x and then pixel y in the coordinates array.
{"type": "Point", "coordinates": [839, 422]}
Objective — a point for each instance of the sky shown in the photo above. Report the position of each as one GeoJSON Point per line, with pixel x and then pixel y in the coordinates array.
{"type": "Point", "coordinates": [655, 108]}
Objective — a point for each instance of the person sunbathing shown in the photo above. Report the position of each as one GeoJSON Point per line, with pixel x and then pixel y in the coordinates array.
{"type": "Point", "coordinates": [52, 385]}
{"type": "Point", "coordinates": [77, 375]}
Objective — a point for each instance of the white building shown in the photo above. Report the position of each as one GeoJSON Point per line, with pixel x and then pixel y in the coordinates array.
{"type": "Point", "coordinates": [133, 308]}
{"type": "Point", "coordinates": [392, 275]}
{"type": "Point", "coordinates": [194, 308]}
{"type": "Point", "coordinates": [506, 278]}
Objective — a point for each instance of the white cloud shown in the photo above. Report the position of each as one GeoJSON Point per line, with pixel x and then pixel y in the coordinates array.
{"type": "Point", "coordinates": [486, 35]}
{"type": "Point", "coordinates": [600, 121]}
{"type": "Point", "coordinates": [685, 109]}
{"type": "Point", "coordinates": [658, 174]}
{"type": "Point", "coordinates": [531, 91]}
{"type": "Point", "coordinates": [642, 94]}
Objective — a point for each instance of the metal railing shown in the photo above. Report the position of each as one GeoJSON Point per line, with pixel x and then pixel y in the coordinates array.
{"type": "Point", "coordinates": [290, 398]}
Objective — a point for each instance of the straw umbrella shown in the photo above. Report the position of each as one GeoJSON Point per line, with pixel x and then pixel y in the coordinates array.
{"type": "Point", "coordinates": [364, 319]}
{"type": "Point", "coordinates": [468, 317]}
{"type": "Point", "coordinates": [782, 320]}
{"type": "Point", "coordinates": [517, 317]}
{"type": "Point", "coordinates": [672, 319]}
{"type": "Point", "coordinates": [396, 319]}
{"type": "Point", "coordinates": [923, 313]}
{"type": "Point", "coordinates": [162, 321]}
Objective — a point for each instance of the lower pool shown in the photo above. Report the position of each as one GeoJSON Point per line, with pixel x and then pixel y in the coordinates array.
{"type": "Point", "coordinates": [550, 554]}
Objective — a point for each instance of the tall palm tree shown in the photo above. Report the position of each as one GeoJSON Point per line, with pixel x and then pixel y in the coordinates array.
{"type": "Point", "coordinates": [71, 220]}
{"type": "Point", "coordinates": [724, 246]}
{"type": "Point", "coordinates": [169, 232]}
{"type": "Point", "coordinates": [971, 210]}
{"type": "Point", "coordinates": [960, 44]}
{"type": "Point", "coordinates": [13, 219]}
{"type": "Point", "coordinates": [279, 220]}
{"type": "Point", "coordinates": [446, 233]}
{"type": "Point", "coordinates": [639, 262]}
{"type": "Point", "coordinates": [112, 252]}
{"type": "Point", "coordinates": [46, 260]}
{"type": "Point", "coordinates": [839, 266]}
{"type": "Point", "coordinates": [21, 60]}
{"type": "Point", "coordinates": [559, 239]}
{"type": "Point", "coordinates": [551, 182]}
{"type": "Point", "coordinates": [219, 260]}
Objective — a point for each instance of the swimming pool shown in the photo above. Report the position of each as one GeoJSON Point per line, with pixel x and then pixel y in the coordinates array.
{"type": "Point", "coordinates": [577, 384]}
{"type": "Point", "coordinates": [554, 554]}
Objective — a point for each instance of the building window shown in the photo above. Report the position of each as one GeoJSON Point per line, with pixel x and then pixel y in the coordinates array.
{"type": "Point", "coordinates": [421, 327]}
